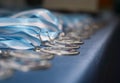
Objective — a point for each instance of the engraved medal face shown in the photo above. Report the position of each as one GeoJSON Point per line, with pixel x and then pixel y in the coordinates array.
{"type": "Point", "coordinates": [59, 51]}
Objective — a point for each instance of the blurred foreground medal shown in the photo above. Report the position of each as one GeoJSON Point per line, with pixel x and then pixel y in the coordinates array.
{"type": "Point", "coordinates": [26, 54]}
{"type": "Point", "coordinates": [30, 54]}
{"type": "Point", "coordinates": [5, 72]}
{"type": "Point", "coordinates": [25, 64]}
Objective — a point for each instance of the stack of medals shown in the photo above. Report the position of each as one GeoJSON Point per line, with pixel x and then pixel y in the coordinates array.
{"type": "Point", "coordinates": [30, 39]}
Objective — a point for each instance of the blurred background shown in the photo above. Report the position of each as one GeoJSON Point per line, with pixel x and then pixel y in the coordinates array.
{"type": "Point", "coordinates": [109, 68]}
{"type": "Point", "coordinates": [92, 6]}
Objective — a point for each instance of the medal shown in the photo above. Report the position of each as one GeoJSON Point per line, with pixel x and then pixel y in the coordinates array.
{"type": "Point", "coordinates": [68, 41]}
{"type": "Point", "coordinates": [27, 54]}
{"type": "Point", "coordinates": [5, 72]}
{"type": "Point", "coordinates": [59, 51]}
{"type": "Point", "coordinates": [51, 43]}
{"type": "Point", "coordinates": [25, 64]}
{"type": "Point", "coordinates": [60, 45]}
{"type": "Point", "coordinates": [71, 38]}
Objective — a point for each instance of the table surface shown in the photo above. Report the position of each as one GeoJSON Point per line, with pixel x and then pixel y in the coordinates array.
{"type": "Point", "coordinates": [69, 69]}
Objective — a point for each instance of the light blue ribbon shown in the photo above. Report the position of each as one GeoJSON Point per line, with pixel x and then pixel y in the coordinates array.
{"type": "Point", "coordinates": [28, 26]}
{"type": "Point", "coordinates": [42, 14]}
{"type": "Point", "coordinates": [14, 43]}
{"type": "Point", "coordinates": [28, 38]}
